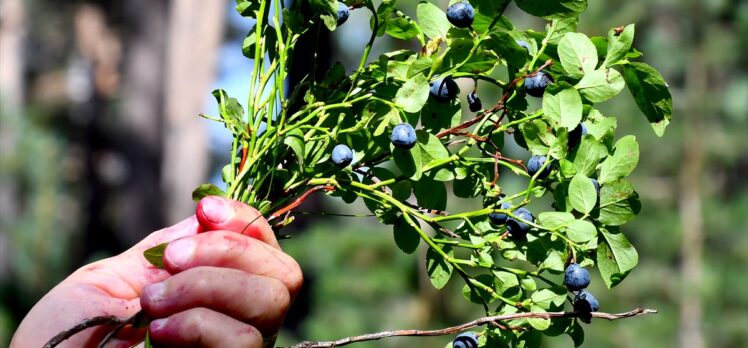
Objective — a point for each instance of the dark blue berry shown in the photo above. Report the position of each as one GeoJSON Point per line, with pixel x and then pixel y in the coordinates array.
{"type": "Point", "coordinates": [535, 85]}
{"type": "Point", "coordinates": [342, 155]}
{"type": "Point", "coordinates": [576, 278]}
{"type": "Point", "coordinates": [516, 227]}
{"type": "Point", "coordinates": [444, 90]}
{"type": "Point", "coordinates": [584, 302]}
{"type": "Point", "coordinates": [465, 340]}
{"type": "Point", "coordinates": [575, 136]}
{"type": "Point", "coordinates": [403, 136]}
{"type": "Point", "coordinates": [534, 165]}
{"type": "Point", "coordinates": [597, 187]}
{"type": "Point", "coordinates": [461, 14]}
{"type": "Point", "coordinates": [499, 218]}
{"type": "Point", "coordinates": [474, 102]}
{"type": "Point", "coordinates": [343, 13]}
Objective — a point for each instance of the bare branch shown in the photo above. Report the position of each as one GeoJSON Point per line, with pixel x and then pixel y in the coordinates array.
{"type": "Point", "coordinates": [88, 323]}
{"type": "Point", "coordinates": [462, 327]}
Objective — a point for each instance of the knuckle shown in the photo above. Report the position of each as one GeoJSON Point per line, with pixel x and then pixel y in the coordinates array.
{"type": "Point", "coordinates": [294, 277]}
{"type": "Point", "coordinates": [279, 295]}
{"type": "Point", "coordinates": [194, 318]}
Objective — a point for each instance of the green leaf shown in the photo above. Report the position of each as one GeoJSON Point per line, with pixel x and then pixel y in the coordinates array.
{"type": "Point", "coordinates": [563, 26]}
{"type": "Point", "coordinates": [561, 197]}
{"type": "Point", "coordinates": [505, 280]}
{"type": "Point", "coordinates": [293, 20]}
{"type": "Point", "coordinates": [413, 94]}
{"type": "Point", "coordinates": [420, 66]}
{"type": "Point", "coordinates": [470, 186]}
{"type": "Point", "coordinates": [491, 8]}
{"type": "Point", "coordinates": [551, 220]}
{"type": "Point", "coordinates": [506, 46]}
{"type": "Point", "coordinates": [248, 45]}
{"type": "Point", "coordinates": [622, 162]}
{"type": "Point", "coordinates": [651, 94]}
{"type": "Point", "coordinates": [545, 298]}
{"type": "Point", "coordinates": [616, 257]}
{"type": "Point", "coordinates": [602, 128]}
{"type": "Point", "coordinates": [618, 44]}
{"type": "Point", "coordinates": [619, 203]}
{"type": "Point", "coordinates": [560, 145]}
{"type": "Point", "coordinates": [406, 236]}
{"type": "Point", "coordinates": [327, 10]}
{"type": "Point", "coordinates": [401, 190]}
{"type": "Point", "coordinates": [147, 342]}
{"type": "Point", "coordinates": [402, 28]}
{"type": "Point", "coordinates": [323, 6]}
{"type": "Point", "coordinates": [538, 136]}
{"type": "Point", "coordinates": [428, 148]}
{"type": "Point", "coordinates": [479, 295]}
{"type": "Point", "coordinates": [582, 194]}
{"type": "Point", "coordinates": [432, 20]}
{"type": "Point", "coordinates": [205, 190]}
{"type": "Point", "coordinates": [431, 194]}
{"type": "Point", "coordinates": [247, 8]}
{"type": "Point", "coordinates": [600, 85]}
{"type": "Point", "coordinates": [552, 9]}
{"type": "Point", "coordinates": [384, 12]}
{"type": "Point", "coordinates": [539, 323]}
{"type": "Point", "coordinates": [563, 109]}
{"type": "Point", "coordinates": [588, 155]}
{"type": "Point", "coordinates": [436, 116]}
{"type": "Point", "coordinates": [554, 262]}
{"type": "Point", "coordinates": [295, 140]}
{"type": "Point", "coordinates": [439, 270]}
{"type": "Point", "coordinates": [155, 255]}
{"type": "Point", "coordinates": [577, 53]}
{"type": "Point", "coordinates": [581, 231]}
{"type": "Point", "coordinates": [576, 332]}
{"type": "Point", "coordinates": [231, 111]}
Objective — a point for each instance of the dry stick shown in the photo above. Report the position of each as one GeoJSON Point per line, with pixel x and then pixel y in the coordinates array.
{"type": "Point", "coordinates": [462, 327]}
{"type": "Point", "coordinates": [499, 106]}
{"type": "Point", "coordinates": [85, 324]}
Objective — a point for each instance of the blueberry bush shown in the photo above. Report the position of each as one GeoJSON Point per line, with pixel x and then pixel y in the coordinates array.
{"type": "Point", "coordinates": [394, 133]}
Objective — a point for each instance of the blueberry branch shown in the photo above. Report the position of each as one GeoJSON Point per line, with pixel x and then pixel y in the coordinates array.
{"type": "Point", "coordinates": [462, 327]}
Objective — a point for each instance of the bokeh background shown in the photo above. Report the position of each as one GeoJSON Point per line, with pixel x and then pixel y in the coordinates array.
{"type": "Point", "coordinates": [100, 144]}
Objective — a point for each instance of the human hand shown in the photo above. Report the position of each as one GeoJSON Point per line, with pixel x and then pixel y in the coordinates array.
{"type": "Point", "coordinates": [224, 284]}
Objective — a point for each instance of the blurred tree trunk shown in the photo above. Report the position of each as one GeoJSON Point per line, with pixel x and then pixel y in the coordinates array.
{"type": "Point", "coordinates": [146, 23]}
{"type": "Point", "coordinates": [194, 39]}
{"type": "Point", "coordinates": [12, 34]}
{"type": "Point", "coordinates": [690, 200]}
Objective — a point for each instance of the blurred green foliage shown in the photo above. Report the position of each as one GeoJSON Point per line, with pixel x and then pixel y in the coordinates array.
{"type": "Point", "coordinates": [362, 283]}
{"type": "Point", "coordinates": [39, 236]}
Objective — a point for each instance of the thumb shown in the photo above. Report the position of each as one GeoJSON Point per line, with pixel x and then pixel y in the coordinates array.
{"type": "Point", "coordinates": [184, 228]}
{"type": "Point", "coordinates": [219, 213]}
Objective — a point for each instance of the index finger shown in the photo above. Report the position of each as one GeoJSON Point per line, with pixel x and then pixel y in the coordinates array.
{"type": "Point", "coordinates": [219, 213]}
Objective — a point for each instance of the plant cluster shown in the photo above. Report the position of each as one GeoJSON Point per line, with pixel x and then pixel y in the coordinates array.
{"type": "Point", "coordinates": [394, 133]}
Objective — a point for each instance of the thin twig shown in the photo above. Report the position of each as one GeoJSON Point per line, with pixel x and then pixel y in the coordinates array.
{"type": "Point", "coordinates": [119, 327]}
{"type": "Point", "coordinates": [462, 327]}
{"type": "Point", "coordinates": [85, 324]}
{"type": "Point", "coordinates": [499, 106]}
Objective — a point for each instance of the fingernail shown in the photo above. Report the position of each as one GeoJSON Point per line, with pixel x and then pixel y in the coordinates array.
{"type": "Point", "coordinates": [180, 252]}
{"type": "Point", "coordinates": [155, 292]}
{"type": "Point", "coordinates": [216, 210]}
{"type": "Point", "coordinates": [158, 324]}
